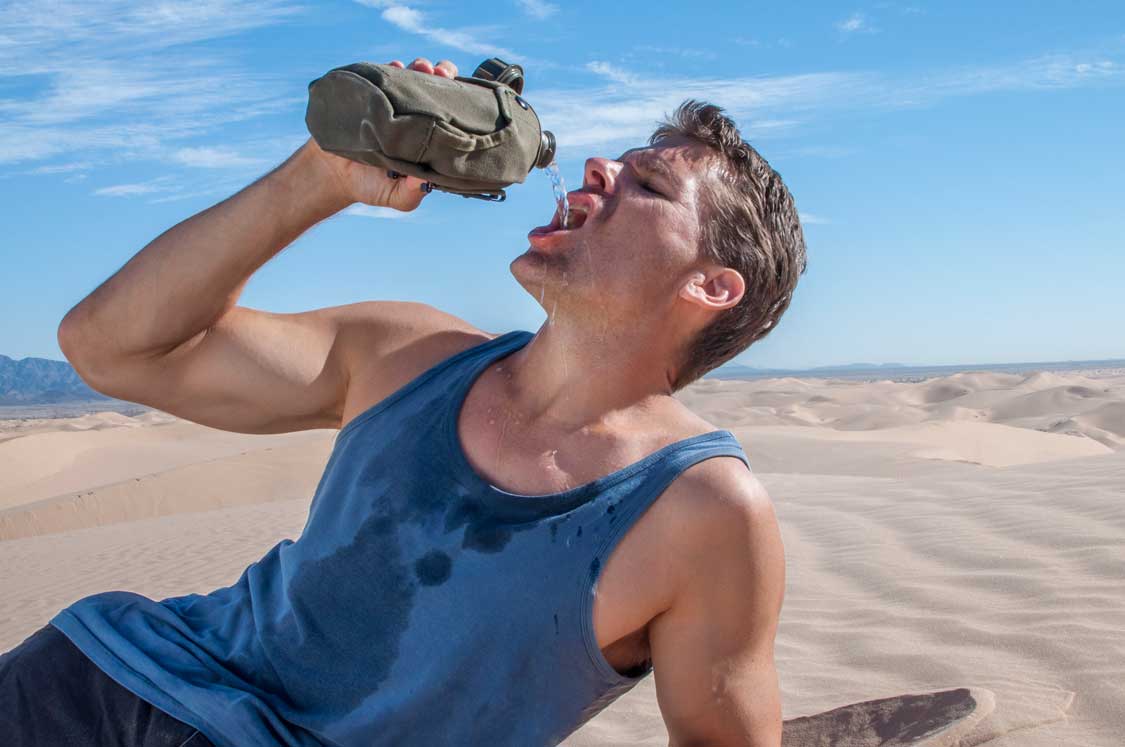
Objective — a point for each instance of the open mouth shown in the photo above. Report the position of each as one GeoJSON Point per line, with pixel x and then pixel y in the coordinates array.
{"type": "Point", "coordinates": [576, 218]}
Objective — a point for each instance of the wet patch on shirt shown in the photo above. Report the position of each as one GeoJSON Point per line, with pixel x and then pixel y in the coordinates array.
{"type": "Point", "coordinates": [354, 607]}
{"type": "Point", "coordinates": [432, 569]}
{"type": "Point", "coordinates": [483, 532]}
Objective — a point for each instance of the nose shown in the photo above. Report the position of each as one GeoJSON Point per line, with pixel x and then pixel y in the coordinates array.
{"type": "Point", "coordinates": [601, 174]}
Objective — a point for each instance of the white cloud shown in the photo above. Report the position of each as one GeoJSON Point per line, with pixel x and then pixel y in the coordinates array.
{"type": "Point", "coordinates": [374, 211]}
{"type": "Point", "coordinates": [630, 108]}
{"type": "Point", "coordinates": [82, 30]}
{"type": "Point", "coordinates": [62, 168]}
{"type": "Point", "coordinates": [160, 184]}
{"type": "Point", "coordinates": [626, 111]}
{"type": "Point", "coordinates": [538, 8]}
{"type": "Point", "coordinates": [214, 158]}
{"type": "Point", "coordinates": [404, 17]}
{"type": "Point", "coordinates": [613, 73]}
{"type": "Point", "coordinates": [115, 75]}
{"type": "Point", "coordinates": [414, 21]}
{"type": "Point", "coordinates": [856, 23]}
{"type": "Point", "coordinates": [647, 50]}
{"type": "Point", "coordinates": [809, 219]}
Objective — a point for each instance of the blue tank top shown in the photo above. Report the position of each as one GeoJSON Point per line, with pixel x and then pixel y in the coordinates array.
{"type": "Point", "coordinates": [420, 605]}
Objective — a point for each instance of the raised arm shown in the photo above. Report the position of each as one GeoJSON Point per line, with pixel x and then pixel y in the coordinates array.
{"type": "Point", "coordinates": [165, 330]}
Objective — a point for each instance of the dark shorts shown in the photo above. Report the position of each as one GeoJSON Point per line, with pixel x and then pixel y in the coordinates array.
{"type": "Point", "coordinates": [51, 694]}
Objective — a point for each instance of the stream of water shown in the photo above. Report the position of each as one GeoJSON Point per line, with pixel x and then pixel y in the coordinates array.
{"type": "Point", "coordinates": [559, 187]}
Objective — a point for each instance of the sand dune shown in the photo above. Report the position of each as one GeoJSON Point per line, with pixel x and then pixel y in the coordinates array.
{"type": "Point", "coordinates": [960, 535]}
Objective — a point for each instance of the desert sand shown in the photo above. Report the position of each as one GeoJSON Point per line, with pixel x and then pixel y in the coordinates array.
{"type": "Point", "coordinates": [963, 533]}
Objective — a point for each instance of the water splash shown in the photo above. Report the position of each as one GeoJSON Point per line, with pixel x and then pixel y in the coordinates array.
{"type": "Point", "coordinates": [559, 188]}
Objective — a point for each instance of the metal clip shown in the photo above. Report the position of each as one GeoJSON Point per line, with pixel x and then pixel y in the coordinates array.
{"type": "Point", "coordinates": [497, 196]}
{"type": "Point", "coordinates": [490, 196]}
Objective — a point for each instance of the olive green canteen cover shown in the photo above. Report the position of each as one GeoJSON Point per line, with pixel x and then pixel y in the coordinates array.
{"type": "Point", "coordinates": [464, 135]}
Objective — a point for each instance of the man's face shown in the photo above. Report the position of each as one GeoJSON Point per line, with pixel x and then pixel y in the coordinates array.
{"type": "Point", "coordinates": [636, 243]}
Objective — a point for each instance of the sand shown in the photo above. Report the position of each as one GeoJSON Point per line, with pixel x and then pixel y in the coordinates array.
{"type": "Point", "coordinates": [955, 547]}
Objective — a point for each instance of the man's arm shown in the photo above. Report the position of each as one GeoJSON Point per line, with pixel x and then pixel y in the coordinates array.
{"type": "Point", "coordinates": [165, 329]}
{"type": "Point", "coordinates": [712, 650]}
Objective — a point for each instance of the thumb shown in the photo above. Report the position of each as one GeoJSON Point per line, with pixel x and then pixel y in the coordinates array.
{"type": "Point", "coordinates": [407, 193]}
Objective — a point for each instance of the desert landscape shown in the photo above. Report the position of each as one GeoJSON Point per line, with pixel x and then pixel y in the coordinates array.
{"type": "Point", "coordinates": [965, 531]}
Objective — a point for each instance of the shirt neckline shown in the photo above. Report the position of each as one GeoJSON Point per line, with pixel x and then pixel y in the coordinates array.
{"type": "Point", "coordinates": [531, 506]}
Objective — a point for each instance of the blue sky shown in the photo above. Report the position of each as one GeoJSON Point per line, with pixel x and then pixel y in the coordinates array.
{"type": "Point", "coordinates": [958, 165]}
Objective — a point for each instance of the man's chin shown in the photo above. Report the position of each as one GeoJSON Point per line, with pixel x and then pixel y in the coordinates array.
{"type": "Point", "coordinates": [540, 276]}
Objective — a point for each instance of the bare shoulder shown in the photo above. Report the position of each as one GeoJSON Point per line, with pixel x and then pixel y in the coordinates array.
{"type": "Point", "coordinates": [386, 344]}
{"type": "Point", "coordinates": [716, 484]}
{"type": "Point", "coordinates": [711, 493]}
{"type": "Point", "coordinates": [719, 511]}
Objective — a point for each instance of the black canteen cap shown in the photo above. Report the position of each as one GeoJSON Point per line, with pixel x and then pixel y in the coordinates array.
{"type": "Point", "coordinates": [496, 69]}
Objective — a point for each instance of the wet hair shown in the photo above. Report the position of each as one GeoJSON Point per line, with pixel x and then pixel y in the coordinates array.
{"type": "Point", "coordinates": [748, 223]}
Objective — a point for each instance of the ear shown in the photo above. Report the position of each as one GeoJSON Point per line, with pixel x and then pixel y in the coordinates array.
{"type": "Point", "coordinates": [716, 289]}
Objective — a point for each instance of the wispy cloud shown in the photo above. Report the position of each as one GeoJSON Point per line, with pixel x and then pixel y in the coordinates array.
{"type": "Point", "coordinates": [214, 158]}
{"type": "Point", "coordinates": [159, 184]}
{"type": "Point", "coordinates": [628, 109]}
{"type": "Point", "coordinates": [415, 21]}
{"type": "Point", "coordinates": [748, 41]}
{"type": "Point", "coordinates": [115, 75]}
{"type": "Point", "coordinates": [537, 8]}
{"type": "Point", "coordinates": [856, 23]}
{"type": "Point", "coordinates": [615, 74]}
{"type": "Point", "coordinates": [809, 219]}
{"type": "Point", "coordinates": [374, 211]}
{"type": "Point", "coordinates": [647, 50]}
{"type": "Point", "coordinates": [62, 168]}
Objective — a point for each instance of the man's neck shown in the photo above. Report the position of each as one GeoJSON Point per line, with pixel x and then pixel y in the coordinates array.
{"type": "Point", "coordinates": [573, 379]}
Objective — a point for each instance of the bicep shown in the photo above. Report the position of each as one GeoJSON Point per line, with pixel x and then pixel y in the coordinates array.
{"type": "Point", "coordinates": [252, 372]}
{"type": "Point", "coordinates": [263, 372]}
{"type": "Point", "coordinates": [712, 651]}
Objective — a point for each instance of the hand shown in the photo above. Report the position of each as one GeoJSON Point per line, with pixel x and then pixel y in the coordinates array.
{"type": "Point", "coordinates": [371, 185]}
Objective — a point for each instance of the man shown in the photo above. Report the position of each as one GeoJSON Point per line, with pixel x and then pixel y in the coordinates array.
{"type": "Point", "coordinates": [512, 530]}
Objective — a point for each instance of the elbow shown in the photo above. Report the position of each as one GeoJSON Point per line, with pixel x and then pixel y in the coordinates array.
{"type": "Point", "coordinates": [68, 337]}
{"type": "Point", "coordinates": [77, 345]}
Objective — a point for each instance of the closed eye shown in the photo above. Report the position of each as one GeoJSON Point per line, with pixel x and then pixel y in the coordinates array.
{"type": "Point", "coordinates": [649, 188]}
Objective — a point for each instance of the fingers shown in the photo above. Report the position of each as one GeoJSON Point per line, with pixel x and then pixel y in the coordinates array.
{"type": "Point", "coordinates": [447, 68]}
{"type": "Point", "coordinates": [444, 68]}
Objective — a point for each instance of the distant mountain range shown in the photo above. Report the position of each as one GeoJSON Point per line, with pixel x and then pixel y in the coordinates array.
{"type": "Point", "coordinates": [735, 370]}
{"type": "Point", "coordinates": [903, 372]}
{"type": "Point", "coordinates": [32, 381]}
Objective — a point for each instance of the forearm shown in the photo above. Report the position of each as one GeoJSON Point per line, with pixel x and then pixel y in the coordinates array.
{"type": "Point", "coordinates": [183, 281]}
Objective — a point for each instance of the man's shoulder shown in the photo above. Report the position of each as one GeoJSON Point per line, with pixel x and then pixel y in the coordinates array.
{"type": "Point", "coordinates": [713, 484]}
{"type": "Point", "coordinates": [716, 490]}
{"type": "Point", "coordinates": [387, 344]}
{"type": "Point", "coordinates": [720, 520]}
